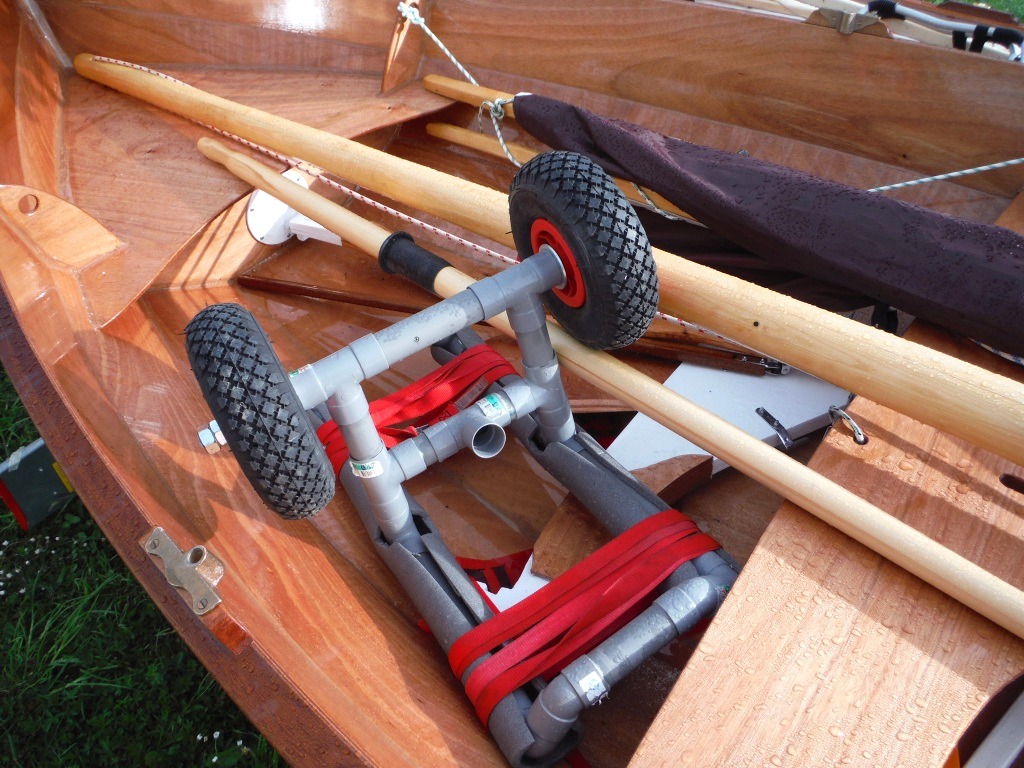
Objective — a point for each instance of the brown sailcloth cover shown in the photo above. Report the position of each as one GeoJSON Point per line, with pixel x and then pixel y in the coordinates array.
{"type": "Point", "coordinates": [817, 240]}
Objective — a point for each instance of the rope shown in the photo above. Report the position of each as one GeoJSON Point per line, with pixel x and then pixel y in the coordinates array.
{"type": "Point", "coordinates": [951, 175]}
{"type": "Point", "coordinates": [493, 107]}
{"type": "Point", "coordinates": [414, 17]}
{"type": "Point", "coordinates": [497, 115]}
{"type": "Point", "coordinates": [320, 174]}
{"type": "Point", "coordinates": [417, 222]}
{"type": "Point", "coordinates": [659, 210]}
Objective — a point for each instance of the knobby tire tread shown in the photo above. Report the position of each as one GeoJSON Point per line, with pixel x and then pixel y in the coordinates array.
{"type": "Point", "coordinates": [590, 211]}
{"type": "Point", "coordinates": [258, 411]}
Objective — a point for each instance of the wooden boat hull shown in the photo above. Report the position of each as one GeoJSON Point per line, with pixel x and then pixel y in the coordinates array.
{"type": "Point", "coordinates": [115, 232]}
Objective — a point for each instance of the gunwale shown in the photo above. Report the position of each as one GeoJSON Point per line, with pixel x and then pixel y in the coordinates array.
{"type": "Point", "coordinates": [121, 487]}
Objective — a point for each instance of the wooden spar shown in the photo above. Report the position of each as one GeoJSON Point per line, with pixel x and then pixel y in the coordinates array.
{"type": "Point", "coordinates": [962, 399]}
{"type": "Point", "coordinates": [467, 93]}
{"type": "Point", "coordinates": [905, 546]}
{"type": "Point", "coordinates": [490, 145]}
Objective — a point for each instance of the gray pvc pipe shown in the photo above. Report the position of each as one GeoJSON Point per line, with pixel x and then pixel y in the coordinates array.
{"type": "Point", "coordinates": [540, 368]}
{"type": "Point", "coordinates": [463, 430]}
{"type": "Point", "coordinates": [587, 680]}
{"type": "Point", "coordinates": [375, 353]}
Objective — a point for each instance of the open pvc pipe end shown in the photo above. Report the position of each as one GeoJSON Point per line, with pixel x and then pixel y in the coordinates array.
{"type": "Point", "coordinates": [488, 441]}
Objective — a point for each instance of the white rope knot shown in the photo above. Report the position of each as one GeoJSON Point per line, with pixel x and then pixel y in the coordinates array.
{"type": "Point", "coordinates": [411, 13]}
{"type": "Point", "coordinates": [496, 109]}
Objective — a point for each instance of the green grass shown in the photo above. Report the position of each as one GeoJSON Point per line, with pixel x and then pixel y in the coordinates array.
{"type": "Point", "coordinates": [1015, 7]}
{"type": "Point", "coordinates": [92, 674]}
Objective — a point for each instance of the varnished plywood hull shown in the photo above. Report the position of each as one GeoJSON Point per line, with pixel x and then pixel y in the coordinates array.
{"type": "Point", "coordinates": [314, 636]}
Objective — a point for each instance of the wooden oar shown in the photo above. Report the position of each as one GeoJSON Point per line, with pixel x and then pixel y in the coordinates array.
{"type": "Point", "coordinates": [962, 399]}
{"type": "Point", "coordinates": [869, 525]}
{"type": "Point", "coordinates": [491, 146]}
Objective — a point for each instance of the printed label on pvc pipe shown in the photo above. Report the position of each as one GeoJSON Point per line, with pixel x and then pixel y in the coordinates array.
{"type": "Point", "coordinates": [593, 687]}
{"type": "Point", "coordinates": [472, 394]}
{"type": "Point", "coordinates": [367, 468]}
{"type": "Point", "coordinates": [492, 406]}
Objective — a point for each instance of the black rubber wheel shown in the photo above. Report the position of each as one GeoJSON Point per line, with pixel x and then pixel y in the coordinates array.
{"type": "Point", "coordinates": [258, 411]}
{"type": "Point", "coordinates": [568, 202]}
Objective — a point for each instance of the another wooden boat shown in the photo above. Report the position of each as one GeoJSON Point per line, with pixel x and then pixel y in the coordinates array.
{"type": "Point", "coordinates": [117, 231]}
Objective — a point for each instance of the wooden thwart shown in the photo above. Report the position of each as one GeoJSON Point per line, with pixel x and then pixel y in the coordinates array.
{"type": "Point", "coordinates": [825, 651]}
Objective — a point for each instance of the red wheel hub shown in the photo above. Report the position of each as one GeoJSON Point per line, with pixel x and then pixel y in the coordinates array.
{"type": "Point", "coordinates": [573, 292]}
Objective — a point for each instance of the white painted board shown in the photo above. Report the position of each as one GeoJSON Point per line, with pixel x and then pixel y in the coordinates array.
{"type": "Point", "coordinates": [799, 401]}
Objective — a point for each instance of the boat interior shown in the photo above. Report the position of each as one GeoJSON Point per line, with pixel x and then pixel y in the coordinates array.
{"type": "Point", "coordinates": [115, 231]}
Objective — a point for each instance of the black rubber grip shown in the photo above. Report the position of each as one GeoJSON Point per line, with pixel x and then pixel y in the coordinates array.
{"type": "Point", "coordinates": [399, 255]}
{"type": "Point", "coordinates": [1006, 36]}
{"type": "Point", "coordinates": [886, 9]}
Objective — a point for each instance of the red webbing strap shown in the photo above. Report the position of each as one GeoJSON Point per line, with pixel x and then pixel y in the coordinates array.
{"type": "Point", "coordinates": [577, 610]}
{"type": "Point", "coordinates": [497, 572]}
{"type": "Point", "coordinates": [427, 400]}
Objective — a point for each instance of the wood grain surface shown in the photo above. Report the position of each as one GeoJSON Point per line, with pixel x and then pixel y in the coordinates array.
{"type": "Point", "coordinates": [132, 232]}
{"type": "Point", "coordinates": [314, 635]}
{"type": "Point", "coordinates": [937, 389]}
{"type": "Point", "coordinates": [573, 533]}
{"type": "Point", "coordinates": [826, 654]}
{"type": "Point", "coordinates": [174, 197]}
{"type": "Point", "coordinates": [773, 75]}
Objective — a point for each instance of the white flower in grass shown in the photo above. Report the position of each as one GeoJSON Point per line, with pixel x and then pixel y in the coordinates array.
{"type": "Point", "coordinates": [237, 743]}
{"type": "Point", "coordinates": [214, 759]}
{"type": "Point", "coordinates": [216, 734]}
{"type": "Point", "coordinates": [199, 737]}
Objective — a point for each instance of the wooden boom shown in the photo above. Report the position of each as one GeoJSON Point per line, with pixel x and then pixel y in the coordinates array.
{"type": "Point", "coordinates": [491, 146]}
{"type": "Point", "coordinates": [962, 399]}
{"type": "Point", "coordinates": [905, 546]}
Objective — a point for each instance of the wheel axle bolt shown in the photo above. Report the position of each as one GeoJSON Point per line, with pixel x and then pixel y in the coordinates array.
{"type": "Point", "coordinates": [208, 441]}
{"type": "Point", "coordinates": [217, 434]}
{"type": "Point", "coordinates": [211, 438]}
